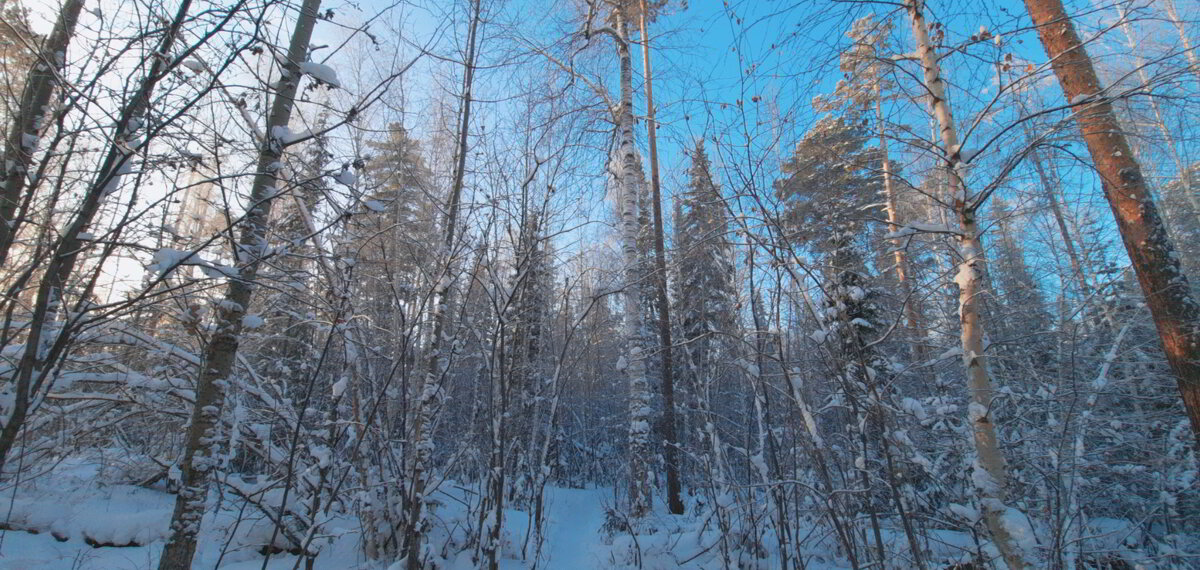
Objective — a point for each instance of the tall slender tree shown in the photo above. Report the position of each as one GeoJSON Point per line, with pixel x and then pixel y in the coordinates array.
{"type": "Point", "coordinates": [670, 443]}
{"type": "Point", "coordinates": [216, 368]}
{"type": "Point", "coordinates": [429, 392]}
{"type": "Point", "coordinates": [991, 470]}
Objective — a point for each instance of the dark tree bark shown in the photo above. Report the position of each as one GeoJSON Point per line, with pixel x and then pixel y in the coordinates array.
{"type": "Point", "coordinates": [30, 121]}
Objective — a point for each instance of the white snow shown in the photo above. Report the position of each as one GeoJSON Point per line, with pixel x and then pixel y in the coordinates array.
{"type": "Point", "coordinates": [965, 512]}
{"type": "Point", "coordinates": [320, 72]}
{"type": "Point", "coordinates": [375, 205]}
{"type": "Point", "coordinates": [167, 259]}
{"type": "Point", "coordinates": [253, 321]}
{"type": "Point", "coordinates": [287, 136]}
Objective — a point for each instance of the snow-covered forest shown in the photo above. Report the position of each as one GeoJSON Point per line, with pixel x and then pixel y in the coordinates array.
{"type": "Point", "coordinates": [405, 284]}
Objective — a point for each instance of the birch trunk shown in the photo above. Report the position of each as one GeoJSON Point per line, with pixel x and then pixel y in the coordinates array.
{"type": "Point", "coordinates": [1188, 49]}
{"type": "Point", "coordinates": [990, 470]}
{"type": "Point", "coordinates": [670, 451]}
{"type": "Point", "coordinates": [200, 455]}
{"type": "Point", "coordinates": [30, 119]}
{"type": "Point", "coordinates": [1175, 312]}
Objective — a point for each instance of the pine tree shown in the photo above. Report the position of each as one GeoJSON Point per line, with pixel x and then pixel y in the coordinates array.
{"type": "Point", "coordinates": [833, 179]}
{"type": "Point", "coordinates": [1168, 294]}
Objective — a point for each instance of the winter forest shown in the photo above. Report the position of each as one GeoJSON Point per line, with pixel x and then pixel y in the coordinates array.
{"type": "Point", "coordinates": [752, 284]}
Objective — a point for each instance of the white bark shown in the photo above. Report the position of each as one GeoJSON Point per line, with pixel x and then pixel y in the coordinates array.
{"type": "Point", "coordinates": [221, 352]}
{"type": "Point", "coordinates": [628, 173]}
{"type": "Point", "coordinates": [990, 469]}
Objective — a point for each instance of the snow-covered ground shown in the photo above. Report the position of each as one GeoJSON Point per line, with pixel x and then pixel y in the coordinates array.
{"type": "Point", "coordinates": [69, 519]}
{"type": "Point", "coordinates": [72, 514]}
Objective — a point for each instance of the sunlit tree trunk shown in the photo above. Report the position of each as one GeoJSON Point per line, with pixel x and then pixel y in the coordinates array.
{"type": "Point", "coordinates": [1176, 314]}
{"type": "Point", "coordinates": [200, 455]}
{"type": "Point", "coordinates": [627, 171]}
{"type": "Point", "coordinates": [991, 481]}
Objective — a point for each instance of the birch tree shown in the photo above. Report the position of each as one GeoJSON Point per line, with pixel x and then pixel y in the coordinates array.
{"type": "Point", "coordinates": [220, 354]}
{"type": "Point", "coordinates": [627, 173]}
{"type": "Point", "coordinates": [990, 469]}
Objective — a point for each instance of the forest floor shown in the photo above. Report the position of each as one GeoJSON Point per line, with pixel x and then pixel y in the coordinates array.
{"type": "Point", "coordinates": [81, 523]}
{"type": "Point", "coordinates": [58, 519]}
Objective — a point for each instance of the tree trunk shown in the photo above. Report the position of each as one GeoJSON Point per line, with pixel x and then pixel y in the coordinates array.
{"type": "Point", "coordinates": [200, 455]}
{"type": "Point", "coordinates": [990, 482]}
{"type": "Point", "coordinates": [1176, 314]}
{"type": "Point", "coordinates": [911, 312]}
{"type": "Point", "coordinates": [1188, 50]}
{"type": "Point", "coordinates": [671, 444]}
{"type": "Point", "coordinates": [29, 121]}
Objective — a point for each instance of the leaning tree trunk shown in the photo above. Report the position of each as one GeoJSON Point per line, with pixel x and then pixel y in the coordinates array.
{"type": "Point", "coordinates": [671, 451]}
{"type": "Point", "coordinates": [989, 482]}
{"type": "Point", "coordinates": [200, 455]}
{"type": "Point", "coordinates": [1176, 314]}
{"type": "Point", "coordinates": [30, 120]}
{"type": "Point", "coordinates": [627, 174]}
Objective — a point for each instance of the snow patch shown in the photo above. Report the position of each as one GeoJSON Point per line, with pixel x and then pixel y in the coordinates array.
{"type": "Point", "coordinates": [320, 72]}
